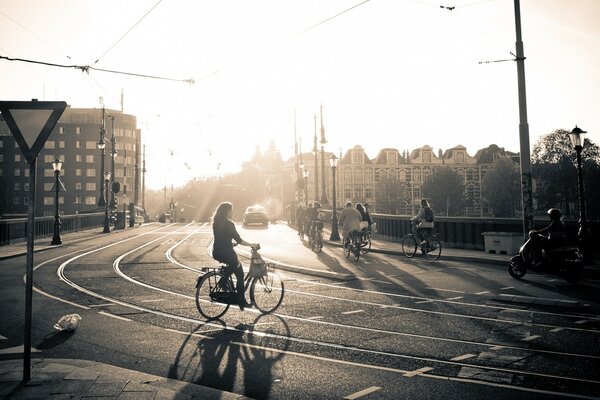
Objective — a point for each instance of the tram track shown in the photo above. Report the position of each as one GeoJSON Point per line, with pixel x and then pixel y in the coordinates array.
{"type": "Point", "coordinates": [169, 255]}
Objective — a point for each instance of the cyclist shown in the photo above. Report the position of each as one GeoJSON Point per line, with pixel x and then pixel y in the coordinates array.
{"type": "Point", "coordinates": [300, 217]}
{"type": "Point", "coordinates": [364, 218]}
{"type": "Point", "coordinates": [423, 222]}
{"type": "Point", "coordinates": [309, 217]}
{"type": "Point", "coordinates": [224, 232]}
{"type": "Point", "coordinates": [369, 218]}
{"type": "Point", "coordinates": [317, 218]}
{"type": "Point", "coordinates": [349, 221]}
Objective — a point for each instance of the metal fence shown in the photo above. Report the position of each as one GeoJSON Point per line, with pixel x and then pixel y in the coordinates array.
{"type": "Point", "coordinates": [15, 229]}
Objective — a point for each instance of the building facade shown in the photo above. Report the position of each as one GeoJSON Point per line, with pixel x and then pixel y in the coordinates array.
{"type": "Point", "coordinates": [74, 140]}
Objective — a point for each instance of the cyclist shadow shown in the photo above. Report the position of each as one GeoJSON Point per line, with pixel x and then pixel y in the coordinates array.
{"type": "Point", "coordinates": [224, 360]}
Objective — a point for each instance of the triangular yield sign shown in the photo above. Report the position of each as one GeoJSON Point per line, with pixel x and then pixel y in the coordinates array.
{"type": "Point", "coordinates": [31, 122]}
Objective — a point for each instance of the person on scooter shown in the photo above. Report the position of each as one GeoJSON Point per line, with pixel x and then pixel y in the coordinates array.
{"type": "Point", "coordinates": [551, 237]}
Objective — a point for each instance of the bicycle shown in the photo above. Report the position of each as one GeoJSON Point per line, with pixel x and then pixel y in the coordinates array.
{"type": "Point", "coordinates": [352, 245]}
{"type": "Point", "coordinates": [365, 243]}
{"type": "Point", "coordinates": [216, 291]}
{"type": "Point", "coordinates": [316, 239]}
{"type": "Point", "coordinates": [431, 246]}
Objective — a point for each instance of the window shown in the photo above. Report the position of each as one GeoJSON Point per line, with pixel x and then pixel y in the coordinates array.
{"type": "Point", "coordinates": [427, 157]}
{"type": "Point", "coordinates": [90, 200]}
{"type": "Point", "coordinates": [17, 186]}
{"type": "Point", "coordinates": [17, 158]}
{"type": "Point", "coordinates": [61, 130]}
{"type": "Point", "coordinates": [90, 186]}
{"type": "Point", "coordinates": [368, 193]}
{"type": "Point", "coordinates": [77, 130]}
{"type": "Point", "coordinates": [50, 144]}
{"type": "Point", "coordinates": [78, 158]}
{"type": "Point", "coordinates": [26, 201]}
{"type": "Point", "coordinates": [61, 200]}
{"type": "Point", "coordinates": [90, 172]}
{"type": "Point", "coordinates": [89, 158]}
{"type": "Point", "coordinates": [48, 158]}
{"type": "Point", "coordinates": [26, 187]}
{"type": "Point", "coordinates": [16, 200]}
{"type": "Point", "coordinates": [77, 144]}
{"type": "Point", "coordinates": [61, 144]}
{"type": "Point", "coordinates": [48, 172]}
{"type": "Point", "coordinates": [48, 186]}
{"type": "Point", "coordinates": [17, 172]}
{"type": "Point", "coordinates": [347, 193]}
{"type": "Point", "coordinates": [49, 200]}
{"type": "Point", "coordinates": [357, 157]}
{"type": "Point", "coordinates": [369, 175]}
{"type": "Point", "coordinates": [392, 157]}
{"type": "Point", "coordinates": [347, 175]}
{"type": "Point", "coordinates": [27, 172]}
{"type": "Point", "coordinates": [77, 171]}
{"type": "Point", "coordinates": [77, 185]}
{"type": "Point", "coordinates": [90, 144]}
{"type": "Point", "coordinates": [460, 157]}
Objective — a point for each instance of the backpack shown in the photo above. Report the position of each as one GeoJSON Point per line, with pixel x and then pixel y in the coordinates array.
{"type": "Point", "coordinates": [428, 214]}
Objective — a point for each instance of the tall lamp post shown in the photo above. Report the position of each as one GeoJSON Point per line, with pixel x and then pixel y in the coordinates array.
{"type": "Point", "coordinates": [577, 136]}
{"type": "Point", "coordinates": [305, 174]}
{"type": "Point", "coordinates": [113, 153]}
{"type": "Point", "coordinates": [335, 235]}
{"type": "Point", "coordinates": [101, 146]}
{"type": "Point", "coordinates": [106, 218]}
{"type": "Point", "coordinates": [57, 166]}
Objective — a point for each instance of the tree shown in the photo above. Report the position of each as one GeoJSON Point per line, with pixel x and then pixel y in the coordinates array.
{"type": "Point", "coordinates": [445, 190]}
{"type": "Point", "coordinates": [501, 188]}
{"type": "Point", "coordinates": [389, 192]}
{"type": "Point", "coordinates": [554, 169]}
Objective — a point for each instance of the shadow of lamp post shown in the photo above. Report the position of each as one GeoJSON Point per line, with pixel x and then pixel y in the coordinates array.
{"type": "Point", "coordinates": [56, 166]}
{"type": "Point", "coordinates": [335, 235]}
{"type": "Point", "coordinates": [577, 136]}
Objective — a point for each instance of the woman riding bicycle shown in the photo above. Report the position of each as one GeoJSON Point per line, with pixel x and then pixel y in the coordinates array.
{"type": "Point", "coordinates": [224, 232]}
{"type": "Point", "coordinates": [423, 221]}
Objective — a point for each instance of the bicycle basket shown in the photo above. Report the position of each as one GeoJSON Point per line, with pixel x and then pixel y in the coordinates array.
{"type": "Point", "coordinates": [258, 266]}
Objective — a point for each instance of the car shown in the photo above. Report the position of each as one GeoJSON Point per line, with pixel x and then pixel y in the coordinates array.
{"type": "Point", "coordinates": [255, 215]}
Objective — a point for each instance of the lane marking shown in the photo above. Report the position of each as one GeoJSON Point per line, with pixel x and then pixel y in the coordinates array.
{"type": "Point", "coordinates": [423, 301]}
{"type": "Point", "coordinates": [446, 290]}
{"type": "Point", "coordinates": [315, 317]}
{"type": "Point", "coordinates": [352, 312]}
{"type": "Point", "coordinates": [530, 338]}
{"type": "Point", "coordinates": [18, 350]}
{"type": "Point", "coordinates": [583, 321]}
{"type": "Point", "coordinates": [557, 329]}
{"type": "Point", "coordinates": [417, 372]}
{"type": "Point", "coordinates": [362, 393]}
{"type": "Point", "coordinates": [455, 298]}
{"type": "Point", "coordinates": [152, 300]}
{"type": "Point", "coordinates": [102, 305]}
{"type": "Point", "coordinates": [484, 292]}
{"type": "Point", "coordinates": [463, 357]}
{"type": "Point", "coordinates": [507, 288]}
{"type": "Point", "coordinates": [114, 316]}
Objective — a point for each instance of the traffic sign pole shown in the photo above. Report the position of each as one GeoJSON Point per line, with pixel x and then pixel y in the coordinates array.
{"type": "Point", "coordinates": [29, 275]}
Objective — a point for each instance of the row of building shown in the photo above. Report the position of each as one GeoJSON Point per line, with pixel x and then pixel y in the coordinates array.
{"type": "Point", "coordinates": [75, 141]}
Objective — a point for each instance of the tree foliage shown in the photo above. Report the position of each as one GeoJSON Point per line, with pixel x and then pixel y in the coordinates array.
{"type": "Point", "coordinates": [554, 170]}
{"type": "Point", "coordinates": [501, 188]}
{"type": "Point", "coordinates": [445, 190]}
{"type": "Point", "coordinates": [389, 192]}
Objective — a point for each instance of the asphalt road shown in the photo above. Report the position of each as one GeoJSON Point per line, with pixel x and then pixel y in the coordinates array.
{"type": "Point", "coordinates": [399, 329]}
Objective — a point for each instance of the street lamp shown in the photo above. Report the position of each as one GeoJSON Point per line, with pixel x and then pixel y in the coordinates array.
{"type": "Point", "coordinates": [106, 218]}
{"type": "Point", "coordinates": [305, 174]}
{"type": "Point", "coordinates": [577, 136]}
{"type": "Point", "coordinates": [56, 240]}
{"type": "Point", "coordinates": [101, 146]}
{"type": "Point", "coordinates": [335, 235]}
{"type": "Point", "coordinates": [113, 153]}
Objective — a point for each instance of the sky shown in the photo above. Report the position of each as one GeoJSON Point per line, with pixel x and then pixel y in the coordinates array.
{"type": "Point", "coordinates": [389, 73]}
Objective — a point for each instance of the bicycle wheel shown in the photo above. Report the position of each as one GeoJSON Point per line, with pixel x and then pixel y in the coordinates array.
{"type": "Point", "coordinates": [266, 292]}
{"type": "Point", "coordinates": [434, 247]}
{"type": "Point", "coordinates": [409, 245]}
{"type": "Point", "coordinates": [319, 241]}
{"type": "Point", "coordinates": [365, 246]}
{"type": "Point", "coordinates": [347, 248]}
{"type": "Point", "coordinates": [213, 293]}
{"type": "Point", "coordinates": [356, 247]}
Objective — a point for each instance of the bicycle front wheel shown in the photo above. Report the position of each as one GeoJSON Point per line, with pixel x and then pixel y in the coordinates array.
{"type": "Point", "coordinates": [213, 294]}
{"type": "Point", "coordinates": [320, 242]}
{"type": "Point", "coordinates": [356, 248]}
{"type": "Point", "coordinates": [266, 292]}
{"type": "Point", "coordinates": [409, 245]}
{"type": "Point", "coordinates": [366, 244]}
{"type": "Point", "coordinates": [434, 248]}
{"type": "Point", "coordinates": [347, 248]}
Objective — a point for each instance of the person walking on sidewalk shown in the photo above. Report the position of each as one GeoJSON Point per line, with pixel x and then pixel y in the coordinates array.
{"type": "Point", "coordinates": [349, 221]}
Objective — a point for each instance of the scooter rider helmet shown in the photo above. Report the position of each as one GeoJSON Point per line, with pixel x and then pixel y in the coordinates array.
{"type": "Point", "coordinates": [554, 213]}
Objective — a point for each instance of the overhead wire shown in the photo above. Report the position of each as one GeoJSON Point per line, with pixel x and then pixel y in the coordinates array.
{"type": "Point", "coordinates": [126, 33]}
{"type": "Point", "coordinates": [329, 19]}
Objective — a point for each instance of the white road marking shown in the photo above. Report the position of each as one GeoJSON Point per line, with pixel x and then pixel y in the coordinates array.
{"type": "Point", "coordinates": [352, 312]}
{"type": "Point", "coordinates": [17, 350]}
{"type": "Point", "coordinates": [362, 393]}
{"type": "Point", "coordinates": [315, 317]}
{"type": "Point", "coordinates": [463, 357]}
{"type": "Point", "coordinates": [582, 321]}
{"type": "Point", "coordinates": [102, 305]}
{"type": "Point", "coordinates": [557, 329]}
{"type": "Point", "coordinates": [455, 298]}
{"type": "Point", "coordinates": [417, 372]}
{"type": "Point", "coordinates": [152, 300]}
{"type": "Point", "coordinates": [446, 290]}
{"type": "Point", "coordinates": [114, 316]}
{"type": "Point", "coordinates": [484, 292]}
{"type": "Point", "coordinates": [507, 288]}
{"type": "Point", "coordinates": [530, 338]}
{"type": "Point", "coordinates": [424, 301]}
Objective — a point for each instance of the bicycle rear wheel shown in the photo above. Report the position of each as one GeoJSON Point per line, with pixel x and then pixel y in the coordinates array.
{"type": "Point", "coordinates": [347, 248]}
{"type": "Point", "coordinates": [213, 294]}
{"type": "Point", "coordinates": [434, 247]}
{"type": "Point", "coordinates": [365, 246]}
{"type": "Point", "coordinates": [319, 241]}
{"type": "Point", "coordinates": [409, 245]}
{"type": "Point", "coordinates": [356, 247]}
{"type": "Point", "coordinates": [266, 292]}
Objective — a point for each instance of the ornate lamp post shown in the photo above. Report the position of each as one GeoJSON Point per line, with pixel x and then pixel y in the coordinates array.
{"type": "Point", "coordinates": [577, 136]}
{"type": "Point", "coordinates": [305, 174]}
{"type": "Point", "coordinates": [106, 217]}
{"type": "Point", "coordinates": [101, 146]}
{"type": "Point", "coordinates": [57, 166]}
{"type": "Point", "coordinates": [113, 154]}
{"type": "Point", "coordinates": [335, 235]}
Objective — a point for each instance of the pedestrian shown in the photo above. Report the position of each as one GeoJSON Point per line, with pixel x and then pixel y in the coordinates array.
{"type": "Point", "coordinates": [349, 221]}
{"type": "Point", "coordinates": [224, 232]}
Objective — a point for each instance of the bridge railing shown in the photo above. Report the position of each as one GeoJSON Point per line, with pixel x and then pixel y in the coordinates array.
{"type": "Point", "coordinates": [15, 229]}
{"type": "Point", "coordinates": [466, 232]}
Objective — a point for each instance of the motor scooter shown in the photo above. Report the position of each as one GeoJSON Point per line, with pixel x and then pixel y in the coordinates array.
{"type": "Point", "coordinates": [565, 261]}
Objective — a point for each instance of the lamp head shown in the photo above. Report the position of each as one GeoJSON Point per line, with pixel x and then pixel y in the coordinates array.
{"type": "Point", "coordinates": [101, 145]}
{"type": "Point", "coordinates": [57, 165]}
{"type": "Point", "coordinates": [333, 161]}
{"type": "Point", "coordinates": [577, 136]}
{"type": "Point", "coordinates": [107, 175]}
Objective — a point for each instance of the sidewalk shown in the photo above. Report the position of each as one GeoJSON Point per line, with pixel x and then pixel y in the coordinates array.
{"type": "Point", "coordinates": [80, 379]}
